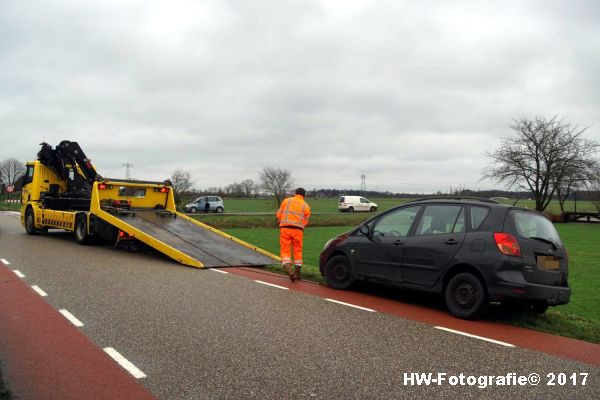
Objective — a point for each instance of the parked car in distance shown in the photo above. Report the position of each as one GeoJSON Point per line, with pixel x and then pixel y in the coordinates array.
{"type": "Point", "coordinates": [206, 204]}
{"type": "Point", "coordinates": [471, 251]}
{"type": "Point", "coordinates": [356, 203]}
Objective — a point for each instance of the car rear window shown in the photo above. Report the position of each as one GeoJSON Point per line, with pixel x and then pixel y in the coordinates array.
{"type": "Point", "coordinates": [534, 226]}
{"type": "Point", "coordinates": [478, 215]}
{"type": "Point", "coordinates": [441, 219]}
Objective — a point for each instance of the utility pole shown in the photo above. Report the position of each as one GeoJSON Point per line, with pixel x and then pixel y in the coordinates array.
{"type": "Point", "coordinates": [363, 183]}
{"type": "Point", "coordinates": [128, 170]}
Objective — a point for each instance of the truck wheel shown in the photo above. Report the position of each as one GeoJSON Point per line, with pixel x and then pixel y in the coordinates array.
{"type": "Point", "coordinates": [338, 273]}
{"type": "Point", "coordinates": [219, 210]}
{"type": "Point", "coordinates": [466, 296]}
{"type": "Point", "coordinates": [30, 222]}
{"type": "Point", "coordinates": [350, 209]}
{"type": "Point", "coordinates": [81, 234]}
{"type": "Point", "coordinates": [193, 210]}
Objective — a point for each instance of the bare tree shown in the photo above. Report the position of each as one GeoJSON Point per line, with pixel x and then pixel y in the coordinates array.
{"type": "Point", "coordinates": [276, 182]}
{"type": "Point", "coordinates": [594, 187]}
{"type": "Point", "coordinates": [11, 170]}
{"type": "Point", "coordinates": [248, 186]}
{"type": "Point", "coordinates": [182, 183]}
{"type": "Point", "coordinates": [543, 154]}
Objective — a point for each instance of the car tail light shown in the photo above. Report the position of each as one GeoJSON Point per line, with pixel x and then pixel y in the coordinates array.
{"type": "Point", "coordinates": [507, 244]}
{"type": "Point", "coordinates": [125, 235]}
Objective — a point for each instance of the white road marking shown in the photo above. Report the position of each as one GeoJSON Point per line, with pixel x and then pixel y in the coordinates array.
{"type": "Point", "coordinates": [39, 291]}
{"type": "Point", "coordinates": [4, 261]}
{"type": "Point", "coordinates": [219, 270]}
{"type": "Point", "coordinates": [475, 336]}
{"type": "Point", "coordinates": [71, 318]}
{"type": "Point", "coordinates": [271, 284]}
{"type": "Point", "coordinates": [125, 363]}
{"type": "Point", "coordinates": [351, 305]}
{"type": "Point", "coordinates": [19, 273]}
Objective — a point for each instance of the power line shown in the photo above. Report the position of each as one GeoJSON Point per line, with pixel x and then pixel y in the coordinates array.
{"type": "Point", "coordinates": [127, 169]}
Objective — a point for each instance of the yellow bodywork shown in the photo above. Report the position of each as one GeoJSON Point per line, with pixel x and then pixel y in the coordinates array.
{"type": "Point", "coordinates": [140, 195]}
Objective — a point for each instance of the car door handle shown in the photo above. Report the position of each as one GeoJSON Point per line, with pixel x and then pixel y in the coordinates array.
{"type": "Point", "coordinates": [451, 241]}
{"type": "Point", "coordinates": [398, 243]}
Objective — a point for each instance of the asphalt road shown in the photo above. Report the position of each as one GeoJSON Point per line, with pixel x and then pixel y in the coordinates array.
{"type": "Point", "coordinates": [200, 334]}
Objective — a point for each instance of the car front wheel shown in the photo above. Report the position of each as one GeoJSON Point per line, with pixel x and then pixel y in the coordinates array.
{"type": "Point", "coordinates": [193, 210]}
{"type": "Point", "coordinates": [338, 273]}
{"type": "Point", "coordinates": [465, 296]}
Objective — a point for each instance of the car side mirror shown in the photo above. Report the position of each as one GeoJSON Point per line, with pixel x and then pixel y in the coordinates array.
{"type": "Point", "coordinates": [364, 229]}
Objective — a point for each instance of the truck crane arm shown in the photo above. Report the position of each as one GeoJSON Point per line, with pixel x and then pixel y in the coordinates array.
{"type": "Point", "coordinates": [67, 155]}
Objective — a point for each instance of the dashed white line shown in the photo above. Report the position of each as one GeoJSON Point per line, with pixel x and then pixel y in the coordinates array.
{"type": "Point", "coordinates": [125, 363]}
{"type": "Point", "coordinates": [271, 284]}
{"type": "Point", "coordinates": [71, 318]}
{"type": "Point", "coordinates": [219, 270]}
{"type": "Point", "coordinates": [39, 291]}
{"type": "Point", "coordinates": [4, 261]}
{"type": "Point", "coordinates": [475, 336]}
{"type": "Point", "coordinates": [351, 305]}
{"type": "Point", "coordinates": [18, 273]}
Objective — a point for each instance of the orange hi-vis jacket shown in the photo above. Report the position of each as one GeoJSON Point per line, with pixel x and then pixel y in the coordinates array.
{"type": "Point", "coordinates": [294, 212]}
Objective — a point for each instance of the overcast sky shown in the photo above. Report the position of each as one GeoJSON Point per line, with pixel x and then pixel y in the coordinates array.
{"type": "Point", "coordinates": [409, 93]}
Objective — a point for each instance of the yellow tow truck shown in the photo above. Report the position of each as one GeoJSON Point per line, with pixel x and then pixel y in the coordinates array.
{"type": "Point", "coordinates": [62, 190]}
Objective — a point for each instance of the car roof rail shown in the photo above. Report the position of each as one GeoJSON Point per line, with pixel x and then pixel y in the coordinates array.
{"type": "Point", "coordinates": [481, 199]}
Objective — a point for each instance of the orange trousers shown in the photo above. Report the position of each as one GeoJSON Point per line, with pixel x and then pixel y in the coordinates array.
{"type": "Point", "coordinates": [291, 239]}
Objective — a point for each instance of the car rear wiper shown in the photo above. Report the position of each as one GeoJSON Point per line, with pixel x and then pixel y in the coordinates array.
{"type": "Point", "coordinates": [544, 240]}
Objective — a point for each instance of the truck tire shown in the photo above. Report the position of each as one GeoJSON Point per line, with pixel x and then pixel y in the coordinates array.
{"type": "Point", "coordinates": [30, 222]}
{"type": "Point", "coordinates": [81, 233]}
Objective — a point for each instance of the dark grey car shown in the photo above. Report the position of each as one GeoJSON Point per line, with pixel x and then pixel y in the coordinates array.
{"type": "Point", "coordinates": [472, 251]}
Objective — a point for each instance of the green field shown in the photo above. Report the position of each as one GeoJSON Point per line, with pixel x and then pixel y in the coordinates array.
{"type": "Point", "coordinates": [580, 318]}
{"type": "Point", "coordinates": [330, 205]}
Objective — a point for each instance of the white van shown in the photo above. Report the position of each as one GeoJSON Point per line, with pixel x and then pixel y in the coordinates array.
{"type": "Point", "coordinates": [356, 203]}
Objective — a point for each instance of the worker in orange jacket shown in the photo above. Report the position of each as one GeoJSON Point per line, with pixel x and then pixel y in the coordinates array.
{"type": "Point", "coordinates": [293, 217]}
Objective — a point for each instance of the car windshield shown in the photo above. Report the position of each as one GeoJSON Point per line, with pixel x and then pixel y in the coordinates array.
{"type": "Point", "coordinates": [537, 227]}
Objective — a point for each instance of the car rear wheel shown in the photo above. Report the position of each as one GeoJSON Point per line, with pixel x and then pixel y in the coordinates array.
{"type": "Point", "coordinates": [350, 209]}
{"type": "Point", "coordinates": [466, 296]}
{"type": "Point", "coordinates": [373, 209]}
{"type": "Point", "coordinates": [338, 273]}
{"type": "Point", "coordinates": [219, 210]}
{"type": "Point", "coordinates": [193, 210]}
{"type": "Point", "coordinates": [30, 222]}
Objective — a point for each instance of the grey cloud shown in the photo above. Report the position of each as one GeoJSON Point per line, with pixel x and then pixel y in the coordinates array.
{"type": "Point", "coordinates": [409, 94]}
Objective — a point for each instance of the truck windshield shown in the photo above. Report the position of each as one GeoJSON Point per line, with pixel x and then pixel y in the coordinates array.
{"type": "Point", "coordinates": [534, 226]}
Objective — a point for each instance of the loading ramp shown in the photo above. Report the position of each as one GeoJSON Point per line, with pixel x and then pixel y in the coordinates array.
{"type": "Point", "coordinates": [187, 240]}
